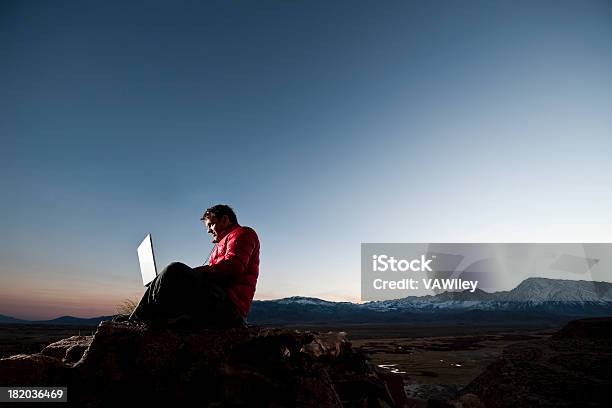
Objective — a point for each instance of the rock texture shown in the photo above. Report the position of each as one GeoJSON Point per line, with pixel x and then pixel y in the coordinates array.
{"type": "Point", "coordinates": [68, 350]}
{"type": "Point", "coordinates": [572, 368]}
{"type": "Point", "coordinates": [125, 363]}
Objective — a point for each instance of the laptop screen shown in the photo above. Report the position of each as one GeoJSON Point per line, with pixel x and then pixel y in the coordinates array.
{"type": "Point", "coordinates": [147, 260]}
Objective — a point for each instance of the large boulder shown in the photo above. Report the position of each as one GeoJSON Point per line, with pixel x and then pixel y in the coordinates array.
{"type": "Point", "coordinates": [69, 350]}
{"type": "Point", "coordinates": [127, 363]}
{"type": "Point", "coordinates": [572, 368]}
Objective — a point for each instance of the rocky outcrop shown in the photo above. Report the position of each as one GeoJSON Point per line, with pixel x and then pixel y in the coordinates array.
{"type": "Point", "coordinates": [127, 363]}
{"type": "Point", "coordinates": [572, 368]}
{"type": "Point", "coordinates": [68, 350]}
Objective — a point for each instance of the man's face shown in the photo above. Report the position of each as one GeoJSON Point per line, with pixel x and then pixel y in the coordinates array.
{"type": "Point", "coordinates": [216, 225]}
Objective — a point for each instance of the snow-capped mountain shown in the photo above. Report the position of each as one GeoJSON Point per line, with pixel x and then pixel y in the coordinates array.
{"type": "Point", "coordinates": [557, 290]}
{"type": "Point", "coordinates": [532, 297]}
{"type": "Point", "coordinates": [531, 291]}
{"type": "Point", "coordinates": [305, 301]}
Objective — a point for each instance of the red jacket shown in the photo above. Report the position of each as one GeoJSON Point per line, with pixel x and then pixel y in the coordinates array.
{"type": "Point", "coordinates": [235, 262]}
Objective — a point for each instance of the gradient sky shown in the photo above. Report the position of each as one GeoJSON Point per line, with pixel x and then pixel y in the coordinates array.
{"type": "Point", "coordinates": [324, 124]}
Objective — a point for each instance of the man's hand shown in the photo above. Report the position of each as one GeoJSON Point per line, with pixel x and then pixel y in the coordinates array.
{"type": "Point", "coordinates": [219, 278]}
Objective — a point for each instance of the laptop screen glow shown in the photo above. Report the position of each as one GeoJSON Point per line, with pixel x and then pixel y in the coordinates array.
{"type": "Point", "coordinates": [147, 260]}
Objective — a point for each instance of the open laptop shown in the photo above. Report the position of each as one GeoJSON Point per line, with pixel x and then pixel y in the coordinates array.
{"type": "Point", "coordinates": [147, 260]}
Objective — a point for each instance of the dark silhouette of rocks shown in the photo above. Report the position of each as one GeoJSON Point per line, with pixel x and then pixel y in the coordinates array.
{"type": "Point", "coordinates": [573, 368]}
{"type": "Point", "coordinates": [126, 363]}
{"type": "Point", "coordinates": [68, 350]}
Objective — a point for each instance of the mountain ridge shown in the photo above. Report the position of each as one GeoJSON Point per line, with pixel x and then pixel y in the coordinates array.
{"type": "Point", "coordinates": [532, 297]}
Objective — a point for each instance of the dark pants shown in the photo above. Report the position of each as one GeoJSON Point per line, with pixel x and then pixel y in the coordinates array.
{"type": "Point", "coordinates": [179, 290]}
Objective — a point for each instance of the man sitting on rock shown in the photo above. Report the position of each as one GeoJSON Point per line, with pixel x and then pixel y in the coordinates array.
{"type": "Point", "coordinates": [218, 294]}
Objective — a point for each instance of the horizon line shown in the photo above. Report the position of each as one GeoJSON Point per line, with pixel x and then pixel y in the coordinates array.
{"type": "Point", "coordinates": [329, 301]}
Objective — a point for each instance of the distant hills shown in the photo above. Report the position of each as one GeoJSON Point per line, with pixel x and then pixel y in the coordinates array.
{"type": "Point", "coordinates": [534, 299]}
{"type": "Point", "coordinates": [60, 321]}
{"type": "Point", "coordinates": [8, 319]}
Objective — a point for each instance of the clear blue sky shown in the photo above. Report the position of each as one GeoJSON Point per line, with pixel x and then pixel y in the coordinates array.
{"type": "Point", "coordinates": [324, 124]}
